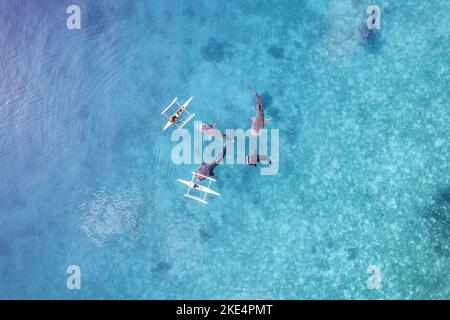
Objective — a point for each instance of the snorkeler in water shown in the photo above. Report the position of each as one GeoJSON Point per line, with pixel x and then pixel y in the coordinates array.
{"type": "Point", "coordinates": [254, 158]}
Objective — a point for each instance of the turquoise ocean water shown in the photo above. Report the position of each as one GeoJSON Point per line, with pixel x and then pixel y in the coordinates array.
{"type": "Point", "coordinates": [86, 176]}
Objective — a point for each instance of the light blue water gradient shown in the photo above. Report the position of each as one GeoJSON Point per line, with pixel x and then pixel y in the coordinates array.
{"type": "Point", "coordinates": [86, 176]}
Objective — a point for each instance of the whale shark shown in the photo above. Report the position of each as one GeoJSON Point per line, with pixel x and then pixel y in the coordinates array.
{"type": "Point", "coordinates": [212, 130]}
{"type": "Point", "coordinates": [207, 169]}
{"type": "Point", "coordinates": [258, 121]}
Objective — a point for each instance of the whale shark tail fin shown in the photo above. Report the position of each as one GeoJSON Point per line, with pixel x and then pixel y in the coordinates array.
{"type": "Point", "coordinates": [253, 91]}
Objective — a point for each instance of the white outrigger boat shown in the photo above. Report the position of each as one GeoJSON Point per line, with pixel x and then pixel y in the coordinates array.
{"type": "Point", "coordinates": [175, 118]}
{"type": "Point", "coordinates": [195, 186]}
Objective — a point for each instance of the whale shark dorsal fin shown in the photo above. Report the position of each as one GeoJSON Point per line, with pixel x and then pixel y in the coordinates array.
{"type": "Point", "coordinates": [267, 120]}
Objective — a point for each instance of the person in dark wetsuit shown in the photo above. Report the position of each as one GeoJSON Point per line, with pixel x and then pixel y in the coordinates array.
{"type": "Point", "coordinates": [254, 159]}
